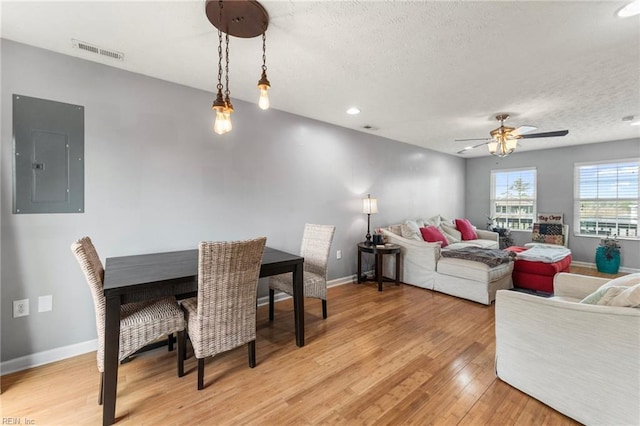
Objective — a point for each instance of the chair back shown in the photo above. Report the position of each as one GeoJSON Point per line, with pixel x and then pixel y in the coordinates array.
{"type": "Point", "coordinates": [91, 265]}
{"type": "Point", "coordinates": [227, 289]}
{"type": "Point", "coordinates": [316, 246]}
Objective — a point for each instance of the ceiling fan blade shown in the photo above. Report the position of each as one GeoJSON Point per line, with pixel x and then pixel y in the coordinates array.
{"type": "Point", "coordinates": [546, 134]}
{"type": "Point", "coordinates": [523, 129]}
{"type": "Point", "coordinates": [469, 148]}
{"type": "Point", "coordinates": [472, 139]}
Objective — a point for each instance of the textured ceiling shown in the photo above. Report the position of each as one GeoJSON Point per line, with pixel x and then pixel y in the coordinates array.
{"type": "Point", "coordinates": [425, 73]}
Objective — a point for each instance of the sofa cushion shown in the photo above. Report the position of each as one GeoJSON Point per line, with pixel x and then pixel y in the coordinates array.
{"type": "Point", "coordinates": [432, 234]}
{"type": "Point", "coordinates": [474, 243]}
{"type": "Point", "coordinates": [474, 271]}
{"type": "Point", "coordinates": [466, 229]}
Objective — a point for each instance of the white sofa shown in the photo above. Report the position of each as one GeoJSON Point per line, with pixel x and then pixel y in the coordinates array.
{"type": "Point", "coordinates": [582, 360]}
{"type": "Point", "coordinates": [423, 266]}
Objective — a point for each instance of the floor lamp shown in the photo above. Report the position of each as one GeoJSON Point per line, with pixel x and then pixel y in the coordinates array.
{"type": "Point", "coordinates": [369, 206]}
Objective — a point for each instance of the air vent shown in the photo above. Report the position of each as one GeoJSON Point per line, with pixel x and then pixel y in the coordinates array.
{"type": "Point", "coordinates": [91, 48]}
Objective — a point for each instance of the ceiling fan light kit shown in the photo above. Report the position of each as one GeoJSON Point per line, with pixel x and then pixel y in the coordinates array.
{"type": "Point", "coordinates": [504, 139]}
{"type": "Point", "coordinates": [238, 18]}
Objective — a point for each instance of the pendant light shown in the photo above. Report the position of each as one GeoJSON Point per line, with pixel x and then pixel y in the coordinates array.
{"type": "Point", "coordinates": [263, 83]}
{"type": "Point", "coordinates": [228, 108]}
{"type": "Point", "coordinates": [239, 18]}
{"type": "Point", "coordinates": [219, 104]}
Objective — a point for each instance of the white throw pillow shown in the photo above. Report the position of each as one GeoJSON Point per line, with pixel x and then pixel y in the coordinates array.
{"type": "Point", "coordinates": [411, 230]}
{"type": "Point", "coordinates": [623, 282]}
{"type": "Point", "coordinates": [622, 296]}
{"type": "Point", "coordinates": [435, 221]}
{"type": "Point", "coordinates": [451, 232]}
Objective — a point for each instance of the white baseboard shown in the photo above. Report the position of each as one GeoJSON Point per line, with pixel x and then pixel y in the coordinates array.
{"type": "Point", "coordinates": [593, 266]}
{"type": "Point", "coordinates": [64, 352]}
{"type": "Point", "coordinates": [46, 357]}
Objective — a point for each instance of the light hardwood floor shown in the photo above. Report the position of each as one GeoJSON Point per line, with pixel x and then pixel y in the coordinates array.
{"type": "Point", "coordinates": [403, 356]}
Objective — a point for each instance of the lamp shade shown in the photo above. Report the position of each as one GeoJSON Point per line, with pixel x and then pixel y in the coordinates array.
{"type": "Point", "coordinates": [493, 147]}
{"type": "Point", "coordinates": [369, 205]}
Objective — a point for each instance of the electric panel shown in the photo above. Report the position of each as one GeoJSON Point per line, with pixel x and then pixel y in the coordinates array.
{"type": "Point", "coordinates": [48, 145]}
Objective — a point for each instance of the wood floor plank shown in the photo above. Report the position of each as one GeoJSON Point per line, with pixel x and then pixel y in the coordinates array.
{"type": "Point", "coordinates": [402, 356]}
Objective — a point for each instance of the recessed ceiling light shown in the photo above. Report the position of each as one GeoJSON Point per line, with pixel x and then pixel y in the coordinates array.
{"type": "Point", "coordinates": [353, 111]}
{"type": "Point", "coordinates": [631, 9]}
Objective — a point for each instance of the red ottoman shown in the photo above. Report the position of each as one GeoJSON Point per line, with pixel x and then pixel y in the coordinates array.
{"type": "Point", "coordinates": [537, 275]}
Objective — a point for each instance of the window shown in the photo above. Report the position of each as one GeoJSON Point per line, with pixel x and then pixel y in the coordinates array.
{"type": "Point", "coordinates": [606, 198]}
{"type": "Point", "coordinates": [513, 198]}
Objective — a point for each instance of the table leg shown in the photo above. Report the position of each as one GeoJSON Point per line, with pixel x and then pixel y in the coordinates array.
{"type": "Point", "coordinates": [111, 350]}
{"type": "Point", "coordinates": [298, 303]}
{"type": "Point", "coordinates": [359, 266]}
{"type": "Point", "coordinates": [379, 270]}
{"type": "Point", "coordinates": [397, 268]}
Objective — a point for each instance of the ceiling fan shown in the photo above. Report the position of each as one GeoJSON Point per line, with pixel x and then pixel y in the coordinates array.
{"type": "Point", "coordinates": [504, 139]}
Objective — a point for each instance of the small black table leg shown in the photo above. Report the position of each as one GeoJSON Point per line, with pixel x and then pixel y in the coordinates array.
{"type": "Point", "coordinates": [379, 270]}
{"type": "Point", "coordinates": [359, 266]}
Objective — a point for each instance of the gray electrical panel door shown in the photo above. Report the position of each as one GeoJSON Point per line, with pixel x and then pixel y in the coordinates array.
{"type": "Point", "coordinates": [48, 146]}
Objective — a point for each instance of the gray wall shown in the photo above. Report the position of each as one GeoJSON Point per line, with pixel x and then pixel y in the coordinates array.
{"type": "Point", "coordinates": [157, 178]}
{"type": "Point", "coordinates": [555, 189]}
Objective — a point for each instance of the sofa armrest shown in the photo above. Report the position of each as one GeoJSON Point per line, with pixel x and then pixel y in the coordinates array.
{"type": "Point", "coordinates": [488, 235]}
{"type": "Point", "coordinates": [579, 359]}
{"type": "Point", "coordinates": [576, 286]}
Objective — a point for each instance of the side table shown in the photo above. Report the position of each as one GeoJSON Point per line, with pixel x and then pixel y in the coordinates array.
{"type": "Point", "coordinates": [378, 252]}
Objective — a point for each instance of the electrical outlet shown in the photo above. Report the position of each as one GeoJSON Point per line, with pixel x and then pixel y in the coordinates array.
{"type": "Point", "coordinates": [45, 303]}
{"type": "Point", "coordinates": [339, 254]}
{"type": "Point", "coordinates": [20, 308]}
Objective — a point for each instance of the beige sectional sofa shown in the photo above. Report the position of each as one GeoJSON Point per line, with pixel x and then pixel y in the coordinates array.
{"type": "Point", "coordinates": [423, 266]}
{"type": "Point", "coordinates": [580, 359]}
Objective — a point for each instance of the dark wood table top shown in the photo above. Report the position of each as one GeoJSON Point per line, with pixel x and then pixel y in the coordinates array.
{"type": "Point", "coordinates": [387, 249]}
{"type": "Point", "coordinates": [146, 269]}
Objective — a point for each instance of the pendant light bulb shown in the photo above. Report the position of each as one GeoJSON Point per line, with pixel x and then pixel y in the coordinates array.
{"type": "Point", "coordinates": [227, 121]}
{"type": "Point", "coordinates": [263, 102]}
{"type": "Point", "coordinates": [219, 126]}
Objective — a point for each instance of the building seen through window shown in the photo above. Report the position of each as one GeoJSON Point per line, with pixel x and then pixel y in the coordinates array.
{"type": "Point", "coordinates": [606, 198]}
{"type": "Point", "coordinates": [513, 198]}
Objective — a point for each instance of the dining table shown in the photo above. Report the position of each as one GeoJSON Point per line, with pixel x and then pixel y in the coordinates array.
{"type": "Point", "coordinates": [152, 276]}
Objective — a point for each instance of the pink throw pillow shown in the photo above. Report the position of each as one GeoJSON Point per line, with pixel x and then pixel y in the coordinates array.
{"type": "Point", "coordinates": [466, 229]}
{"type": "Point", "coordinates": [431, 234]}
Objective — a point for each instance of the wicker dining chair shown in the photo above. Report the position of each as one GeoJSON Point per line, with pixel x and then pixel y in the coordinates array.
{"type": "Point", "coordinates": [140, 323]}
{"type": "Point", "coordinates": [316, 245]}
{"type": "Point", "coordinates": [223, 315]}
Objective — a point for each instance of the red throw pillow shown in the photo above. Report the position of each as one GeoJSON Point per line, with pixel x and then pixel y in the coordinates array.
{"type": "Point", "coordinates": [466, 229]}
{"type": "Point", "coordinates": [431, 234]}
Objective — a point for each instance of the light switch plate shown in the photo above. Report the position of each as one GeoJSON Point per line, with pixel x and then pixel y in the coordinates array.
{"type": "Point", "coordinates": [45, 303]}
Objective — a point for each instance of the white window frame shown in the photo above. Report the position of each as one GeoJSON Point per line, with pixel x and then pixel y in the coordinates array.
{"type": "Point", "coordinates": [493, 196]}
{"type": "Point", "coordinates": [577, 200]}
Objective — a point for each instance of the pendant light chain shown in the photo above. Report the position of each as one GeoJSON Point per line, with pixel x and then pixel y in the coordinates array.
{"type": "Point", "coordinates": [264, 51]}
{"type": "Point", "coordinates": [226, 92]}
{"type": "Point", "coordinates": [220, 51]}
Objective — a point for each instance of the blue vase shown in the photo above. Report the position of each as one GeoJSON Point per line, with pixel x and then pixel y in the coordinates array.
{"type": "Point", "coordinates": [608, 266]}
